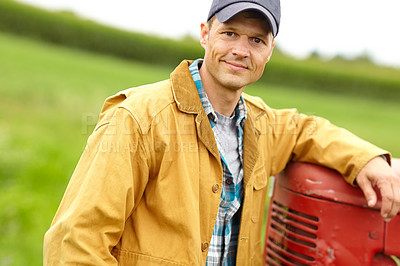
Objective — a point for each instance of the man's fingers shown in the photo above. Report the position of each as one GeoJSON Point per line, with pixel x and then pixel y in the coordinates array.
{"type": "Point", "coordinates": [396, 202]}
{"type": "Point", "coordinates": [395, 187]}
{"type": "Point", "coordinates": [368, 191]}
{"type": "Point", "coordinates": [387, 200]}
{"type": "Point", "coordinates": [390, 191]}
{"type": "Point", "coordinates": [394, 198]}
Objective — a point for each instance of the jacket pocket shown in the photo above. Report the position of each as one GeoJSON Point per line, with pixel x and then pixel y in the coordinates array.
{"type": "Point", "coordinates": [261, 182]}
{"type": "Point", "coordinates": [260, 177]}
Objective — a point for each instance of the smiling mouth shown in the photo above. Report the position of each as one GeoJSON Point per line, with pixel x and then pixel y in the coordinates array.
{"type": "Point", "coordinates": [236, 66]}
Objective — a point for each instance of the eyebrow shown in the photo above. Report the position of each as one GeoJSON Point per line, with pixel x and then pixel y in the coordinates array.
{"type": "Point", "coordinates": [252, 34]}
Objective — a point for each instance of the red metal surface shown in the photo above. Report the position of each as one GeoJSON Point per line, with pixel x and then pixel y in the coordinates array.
{"type": "Point", "coordinates": [315, 218]}
{"type": "Point", "coordinates": [392, 237]}
{"type": "Point", "coordinates": [321, 182]}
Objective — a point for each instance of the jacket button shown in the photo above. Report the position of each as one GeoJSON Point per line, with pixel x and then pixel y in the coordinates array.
{"type": "Point", "coordinates": [204, 246]}
{"type": "Point", "coordinates": [215, 188]}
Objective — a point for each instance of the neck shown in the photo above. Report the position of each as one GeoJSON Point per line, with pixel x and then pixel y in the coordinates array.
{"type": "Point", "coordinates": [223, 100]}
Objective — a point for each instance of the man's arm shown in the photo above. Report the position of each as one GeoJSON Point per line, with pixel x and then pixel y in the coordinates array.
{"type": "Point", "coordinates": [357, 160]}
{"type": "Point", "coordinates": [316, 140]}
{"type": "Point", "coordinates": [378, 173]}
{"type": "Point", "coordinates": [109, 180]}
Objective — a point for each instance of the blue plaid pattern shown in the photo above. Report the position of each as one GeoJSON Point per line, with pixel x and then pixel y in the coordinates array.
{"type": "Point", "coordinates": [223, 245]}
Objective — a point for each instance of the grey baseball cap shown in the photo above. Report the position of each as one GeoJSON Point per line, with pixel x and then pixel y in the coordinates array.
{"type": "Point", "coordinates": [225, 9]}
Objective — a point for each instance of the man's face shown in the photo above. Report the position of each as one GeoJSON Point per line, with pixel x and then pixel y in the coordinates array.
{"type": "Point", "coordinates": [235, 51]}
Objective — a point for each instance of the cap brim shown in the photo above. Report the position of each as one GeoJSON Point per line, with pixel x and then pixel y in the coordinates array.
{"type": "Point", "coordinates": [228, 12]}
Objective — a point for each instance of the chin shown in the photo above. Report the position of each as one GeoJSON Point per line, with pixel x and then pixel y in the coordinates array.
{"type": "Point", "coordinates": [234, 82]}
{"type": "Point", "coordinates": [235, 85]}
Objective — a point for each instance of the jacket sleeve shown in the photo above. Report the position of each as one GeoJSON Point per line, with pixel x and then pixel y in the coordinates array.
{"type": "Point", "coordinates": [107, 183]}
{"type": "Point", "coordinates": [315, 140]}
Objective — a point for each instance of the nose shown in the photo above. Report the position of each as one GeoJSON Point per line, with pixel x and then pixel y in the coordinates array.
{"type": "Point", "coordinates": [241, 47]}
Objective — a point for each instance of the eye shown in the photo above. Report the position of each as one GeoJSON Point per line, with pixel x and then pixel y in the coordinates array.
{"type": "Point", "coordinates": [258, 40]}
{"type": "Point", "coordinates": [230, 34]}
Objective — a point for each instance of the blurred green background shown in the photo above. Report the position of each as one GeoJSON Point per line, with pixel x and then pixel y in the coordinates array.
{"type": "Point", "coordinates": [56, 70]}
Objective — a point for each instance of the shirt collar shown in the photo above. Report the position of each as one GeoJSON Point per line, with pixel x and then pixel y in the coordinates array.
{"type": "Point", "coordinates": [240, 111]}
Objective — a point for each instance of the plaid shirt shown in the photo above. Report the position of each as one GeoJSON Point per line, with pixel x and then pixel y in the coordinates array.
{"type": "Point", "coordinates": [223, 246]}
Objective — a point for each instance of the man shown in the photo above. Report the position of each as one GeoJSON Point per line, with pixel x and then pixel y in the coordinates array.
{"type": "Point", "coordinates": [175, 173]}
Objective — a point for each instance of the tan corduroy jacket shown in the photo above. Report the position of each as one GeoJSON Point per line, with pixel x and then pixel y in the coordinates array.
{"type": "Point", "coordinates": [147, 187]}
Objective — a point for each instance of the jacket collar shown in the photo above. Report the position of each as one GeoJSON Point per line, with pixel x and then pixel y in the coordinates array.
{"type": "Point", "coordinates": [188, 101]}
{"type": "Point", "coordinates": [184, 89]}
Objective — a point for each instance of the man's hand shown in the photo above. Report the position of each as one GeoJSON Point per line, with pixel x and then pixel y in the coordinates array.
{"type": "Point", "coordinates": [378, 173]}
{"type": "Point", "coordinates": [396, 166]}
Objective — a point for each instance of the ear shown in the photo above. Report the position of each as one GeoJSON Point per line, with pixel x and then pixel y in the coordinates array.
{"type": "Point", "coordinates": [204, 30]}
{"type": "Point", "coordinates": [272, 49]}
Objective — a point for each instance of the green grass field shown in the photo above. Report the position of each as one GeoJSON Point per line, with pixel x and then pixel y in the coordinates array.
{"type": "Point", "coordinates": [50, 99]}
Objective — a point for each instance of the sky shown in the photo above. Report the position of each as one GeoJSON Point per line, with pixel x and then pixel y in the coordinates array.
{"type": "Point", "coordinates": [348, 28]}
